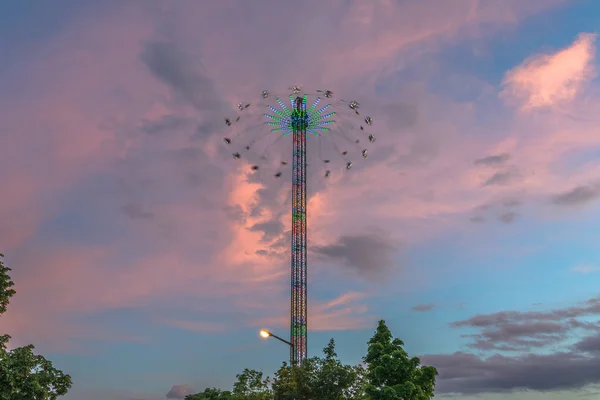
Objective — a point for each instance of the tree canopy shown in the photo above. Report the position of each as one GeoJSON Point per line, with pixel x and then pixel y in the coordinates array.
{"type": "Point", "coordinates": [387, 373]}
{"type": "Point", "coordinates": [211, 394]}
{"type": "Point", "coordinates": [23, 374]}
{"type": "Point", "coordinates": [391, 374]}
{"type": "Point", "coordinates": [251, 385]}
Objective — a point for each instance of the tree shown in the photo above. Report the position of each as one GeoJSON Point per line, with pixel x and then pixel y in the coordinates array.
{"type": "Point", "coordinates": [211, 394]}
{"type": "Point", "coordinates": [23, 374]}
{"type": "Point", "coordinates": [391, 374]}
{"type": "Point", "coordinates": [334, 380]}
{"type": "Point", "coordinates": [319, 378]}
{"type": "Point", "coordinates": [295, 382]}
{"type": "Point", "coordinates": [357, 390]}
{"type": "Point", "coordinates": [250, 385]}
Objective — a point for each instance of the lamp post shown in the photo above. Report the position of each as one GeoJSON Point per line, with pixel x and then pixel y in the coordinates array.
{"type": "Point", "coordinates": [265, 334]}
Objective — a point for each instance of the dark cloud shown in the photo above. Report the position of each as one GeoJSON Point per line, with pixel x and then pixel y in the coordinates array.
{"type": "Point", "coordinates": [483, 207]}
{"type": "Point", "coordinates": [577, 196]}
{"type": "Point", "coordinates": [568, 367]}
{"type": "Point", "coordinates": [165, 124]}
{"type": "Point", "coordinates": [423, 307]}
{"type": "Point", "coordinates": [269, 196]}
{"type": "Point", "coordinates": [271, 229]}
{"type": "Point", "coordinates": [181, 173]}
{"type": "Point", "coordinates": [522, 331]}
{"type": "Point", "coordinates": [502, 210]}
{"type": "Point", "coordinates": [235, 213]}
{"type": "Point", "coordinates": [495, 160]}
{"type": "Point", "coordinates": [401, 115]}
{"type": "Point", "coordinates": [469, 374]}
{"type": "Point", "coordinates": [283, 242]}
{"type": "Point", "coordinates": [183, 73]}
{"type": "Point", "coordinates": [508, 217]}
{"type": "Point", "coordinates": [191, 167]}
{"type": "Point", "coordinates": [369, 255]}
{"type": "Point", "coordinates": [188, 153]}
{"type": "Point", "coordinates": [267, 253]}
{"type": "Point", "coordinates": [136, 211]}
{"type": "Point", "coordinates": [502, 178]}
{"type": "Point", "coordinates": [178, 392]}
{"type": "Point", "coordinates": [589, 344]}
{"type": "Point", "coordinates": [510, 203]}
{"type": "Point", "coordinates": [421, 144]}
{"type": "Point", "coordinates": [520, 337]}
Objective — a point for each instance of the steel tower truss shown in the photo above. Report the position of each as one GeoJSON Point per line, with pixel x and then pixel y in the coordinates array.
{"type": "Point", "coordinates": [298, 121]}
{"type": "Point", "coordinates": [299, 307]}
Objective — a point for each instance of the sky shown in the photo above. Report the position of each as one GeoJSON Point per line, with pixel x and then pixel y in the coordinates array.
{"type": "Point", "coordinates": [146, 258]}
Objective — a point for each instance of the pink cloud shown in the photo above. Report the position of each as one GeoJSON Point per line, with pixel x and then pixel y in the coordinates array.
{"type": "Point", "coordinates": [179, 392]}
{"type": "Point", "coordinates": [547, 148]}
{"type": "Point", "coordinates": [348, 39]}
{"type": "Point", "coordinates": [54, 125]}
{"type": "Point", "coordinates": [87, 102]}
{"type": "Point", "coordinates": [345, 312]}
{"type": "Point", "coordinates": [546, 80]}
{"type": "Point", "coordinates": [194, 326]}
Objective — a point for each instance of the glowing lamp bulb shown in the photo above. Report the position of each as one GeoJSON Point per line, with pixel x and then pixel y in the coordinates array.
{"type": "Point", "coordinates": [265, 333]}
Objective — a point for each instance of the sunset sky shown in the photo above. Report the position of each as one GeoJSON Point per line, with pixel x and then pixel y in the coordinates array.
{"type": "Point", "coordinates": [146, 258]}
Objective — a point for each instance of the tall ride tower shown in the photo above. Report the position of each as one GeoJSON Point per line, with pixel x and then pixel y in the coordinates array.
{"type": "Point", "coordinates": [296, 120]}
{"type": "Point", "coordinates": [299, 306]}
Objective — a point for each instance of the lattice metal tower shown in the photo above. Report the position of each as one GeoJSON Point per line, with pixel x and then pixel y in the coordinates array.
{"type": "Point", "coordinates": [299, 121]}
{"type": "Point", "coordinates": [299, 306]}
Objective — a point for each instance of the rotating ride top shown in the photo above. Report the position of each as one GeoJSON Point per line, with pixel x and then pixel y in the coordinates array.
{"type": "Point", "coordinates": [333, 124]}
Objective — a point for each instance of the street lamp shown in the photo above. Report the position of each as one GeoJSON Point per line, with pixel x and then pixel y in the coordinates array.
{"type": "Point", "coordinates": [265, 333]}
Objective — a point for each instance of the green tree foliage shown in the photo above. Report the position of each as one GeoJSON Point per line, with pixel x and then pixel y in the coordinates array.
{"type": "Point", "coordinates": [357, 390]}
{"type": "Point", "coordinates": [6, 286]}
{"type": "Point", "coordinates": [250, 385]}
{"type": "Point", "coordinates": [391, 374]}
{"type": "Point", "coordinates": [388, 374]}
{"type": "Point", "coordinates": [334, 380]}
{"type": "Point", "coordinates": [295, 381]}
{"type": "Point", "coordinates": [24, 375]}
{"type": "Point", "coordinates": [211, 394]}
{"type": "Point", "coordinates": [319, 378]}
